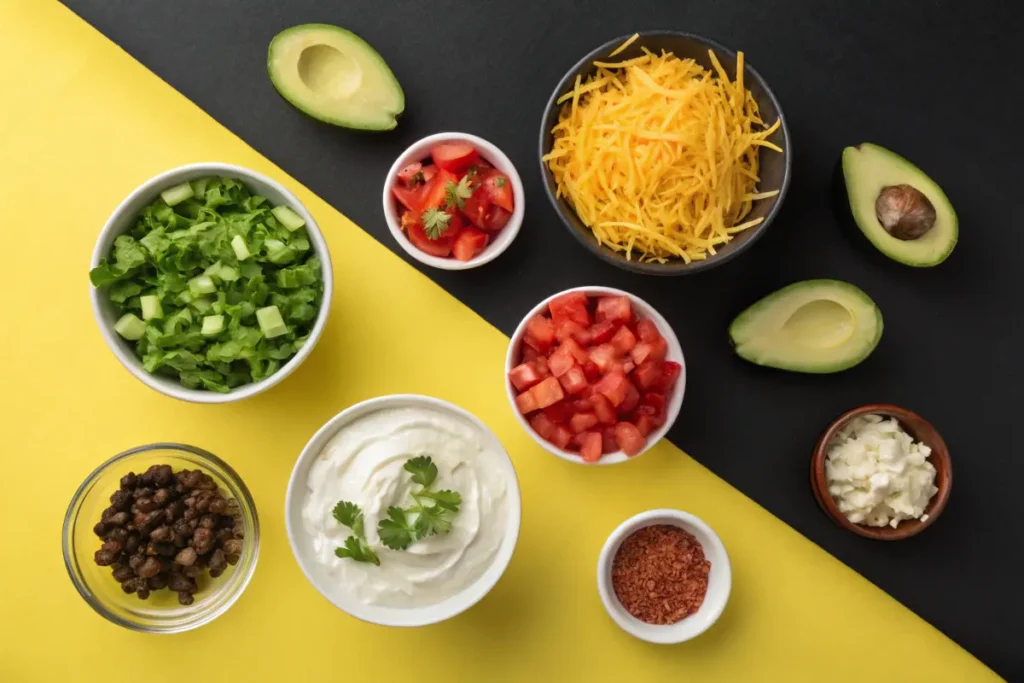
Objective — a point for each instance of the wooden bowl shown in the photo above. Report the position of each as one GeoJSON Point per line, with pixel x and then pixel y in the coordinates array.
{"type": "Point", "coordinates": [921, 431]}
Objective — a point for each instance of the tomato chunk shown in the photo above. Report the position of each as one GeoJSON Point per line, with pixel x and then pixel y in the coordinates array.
{"type": "Point", "coordinates": [440, 247]}
{"type": "Point", "coordinates": [656, 402]}
{"type": "Point", "coordinates": [648, 375]}
{"type": "Point", "coordinates": [654, 350]}
{"type": "Point", "coordinates": [670, 372]}
{"type": "Point", "coordinates": [454, 156]}
{"type": "Point", "coordinates": [630, 402]}
{"type": "Point", "coordinates": [608, 442]}
{"type": "Point", "coordinates": [603, 408]}
{"type": "Point", "coordinates": [409, 172]}
{"type": "Point", "coordinates": [615, 309]}
{"type": "Point", "coordinates": [526, 403]}
{"type": "Point", "coordinates": [469, 243]}
{"type": "Point", "coordinates": [540, 333]}
{"type": "Point", "coordinates": [581, 422]}
{"type": "Point", "coordinates": [410, 198]}
{"type": "Point", "coordinates": [542, 425]}
{"type": "Point", "coordinates": [561, 361]}
{"type": "Point", "coordinates": [573, 380]}
{"type": "Point", "coordinates": [647, 330]}
{"type": "Point", "coordinates": [623, 341]}
{"type": "Point", "coordinates": [529, 353]}
{"type": "Point", "coordinates": [590, 446]}
{"type": "Point", "coordinates": [629, 438]}
{"type": "Point", "coordinates": [615, 387]}
{"type": "Point", "coordinates": [498, 188]}
{"type": "Point", "coordinates": [496, 218]}
{"type": "Point", "coordinates": [561, 437]}
{"type": "Point", "coordinates": [602, 332]}
{"type": "Point", "coordinates": [571, 306]}
{"type": "Point", "coordinates": [645, 424]}
{"type": "Point", "coordinates": [570, 328]}
{"type": "Point", "coordinates": [559, 413]}
{"type": "Point", "coordinates": [547, 392]}
{"type": "Point", "coordinates": [591, 371]}
{"type": "Point", "coordinates": [578, 353]}
{"type": "Point", "coordinates": [525, 375]}
{"type": "Point", "coordinates": [603, 357]}
{"type": "Point", "coordinates": [435, 192]}
{"type": "Point", "coordinates": [475, 209]}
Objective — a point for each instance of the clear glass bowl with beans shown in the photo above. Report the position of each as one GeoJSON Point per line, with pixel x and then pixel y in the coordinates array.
{"type": "Point", "coordinates": [162, 538]}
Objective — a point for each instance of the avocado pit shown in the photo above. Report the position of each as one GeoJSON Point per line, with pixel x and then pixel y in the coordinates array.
{"type": "Point", "coordinates": [904, 212]}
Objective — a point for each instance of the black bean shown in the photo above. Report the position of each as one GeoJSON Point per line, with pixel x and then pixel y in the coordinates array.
{"type": "Point", "coordinates": [157, 582]}
{"type": "Point", "coordinates": [202, 540]}
{"type": "Point", "coordinates": [105, 558]}
{"type": "Point", "coordinates": [164, 475]}
{"type": "Point", "coordinates": [218, 505]}
{"type": "Point", "coordinates": [233, 546]}
{"type": "Point", "coordinates": [128, 586]}
{"type": "Point", "coordinates": [129, 481]}
{"type": "Point", "coordinates": [122, 574]}
{"type": "Point", "coordinates": [120, 519]}
{"type": "Point", "coordinates": [100, 529]}
{"type": "Point", "coordinates": [208, 521]}
{"type": "Point", "coordinates": [150, 568]}
{"type": "Point", "coordinates": [108, 513]}
{"type": "Point", "coordinates": [187, 557]}
{"type": "Point", "coordinates": [165, 549]}
{"type": "Point", "coordinates": [193, 571]}
{"type": "Point", "coordinates": [180, 582]}
{"type": "Point", "coordinates": [217, 561]}
{"type": "Point", "coordinates": [132, 544]}
{"type": "Point", "coordinates": [174, 511]}
{"type": "Point", "coordinates": [162, 497]}
{"type": "Point", "coordinates": [136, 561]}
{"type": "Point", "coordinates": [215, 573]}
{"type": "Point", "coordinates": [185, 598]}
{"type": "Point", "coordinates": [146, 504]}
{"type": "Point", "coordinates": [121, 499]}
{"type": "Point", "coordinates": [143, 593]}
{"type": "Point", "coordinates": [232, 559]}
{"type": "Point", "coordinates": [161, 533]}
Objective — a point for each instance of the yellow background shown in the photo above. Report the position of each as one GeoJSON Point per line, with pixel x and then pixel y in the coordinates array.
{"type": "Point", "coordinates": [81, 125]}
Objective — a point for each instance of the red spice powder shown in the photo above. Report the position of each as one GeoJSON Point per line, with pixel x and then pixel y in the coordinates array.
{"type": "Point", "coordinates": [660, 575]}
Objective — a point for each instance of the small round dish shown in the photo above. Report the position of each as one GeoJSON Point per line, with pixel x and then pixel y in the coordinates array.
{"type": "Point", "coordinates": [419, 151]}
{"type": "Point", "coordinates": [123, 219]}
{"type": "Point", "coordinates": [719, 579]}
{"type": "Point", "coordinates": [301, 543]}
{"type": "Point", "coordinates": [675, 353]}
{"type": "Point", "coordinates": [161, 613]}
{"type": "Point", "coordinates": [774, 168]}
{"type": "Point", "coordinates": [921, 431]}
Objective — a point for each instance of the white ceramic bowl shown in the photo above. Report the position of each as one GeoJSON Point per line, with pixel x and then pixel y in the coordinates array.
{"type": "Point", "coordinates": [123, 219]}
{"type": "Point", "coordinates": [672, 403]}
{"type": "Point", "coordinates": [420, 151]}
{"type": "Point", "coordinates": [719, 580]}
{"type": "Point", "coordinates": [301, 544]}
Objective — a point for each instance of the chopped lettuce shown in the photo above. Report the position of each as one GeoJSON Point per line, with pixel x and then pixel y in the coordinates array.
{"type": "Point", "coordinates": [166, 252]}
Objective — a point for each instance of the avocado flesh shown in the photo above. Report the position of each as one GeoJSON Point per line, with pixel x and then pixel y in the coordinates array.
{"type": "Point", "coordinates": [335, 76]}
{"type": "Point", "coordinates": [867, 170]}
{"type": "Point", "coordinates": [816, 326]}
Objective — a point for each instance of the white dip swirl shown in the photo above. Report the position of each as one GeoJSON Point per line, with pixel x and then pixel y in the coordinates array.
{"type": "Point", "coordinates": [364, 464]}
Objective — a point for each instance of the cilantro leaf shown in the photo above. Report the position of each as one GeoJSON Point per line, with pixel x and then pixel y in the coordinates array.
{"type": "Point", "coordinates": [349, 514]}
{"type": "Point", "coordinates": [435, 223]}
{"type": "Point", "coordinates": [356, 549]}
{"type": "Point", "coordinates": [500, 181]}
{"type": "Point", "coordinates": [422, 469]}
{"type": "Point", "coordinates": [449, 500]}
{"type": "Point", "coordinates": [457, 194]}
{"type": "Point", "coordinates": [395, 531]}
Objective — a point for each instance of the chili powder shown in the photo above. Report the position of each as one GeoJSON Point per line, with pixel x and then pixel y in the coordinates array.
{"type": "Point", "coordinates": [660, 574]}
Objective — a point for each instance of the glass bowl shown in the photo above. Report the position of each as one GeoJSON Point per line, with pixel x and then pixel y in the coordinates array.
{"type": "Point", "coordinates": [161, 613]}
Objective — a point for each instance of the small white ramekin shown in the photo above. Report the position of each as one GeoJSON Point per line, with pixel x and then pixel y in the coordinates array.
{"type": "Point", "coordinates": [672, 404]}
{"type": "Point", "coordinates": [392, 616]}
{"type": "Point", "coordinates": [124, 218]}
{"type": "Point", "coordinates": [719, 580]}
{"type": "Point", "coordinates": [419, 151]}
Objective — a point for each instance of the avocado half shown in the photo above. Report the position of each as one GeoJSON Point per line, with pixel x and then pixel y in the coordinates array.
{"type": "Point", "coordinates": [335, 76]}
{"type": "Point", "coordinates": [815, 326]}
{"type": "Point", "coordinates": [902, 211]}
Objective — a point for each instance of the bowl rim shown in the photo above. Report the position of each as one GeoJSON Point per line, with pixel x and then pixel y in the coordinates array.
{"type": "Point", "coordinates": [414, 616]}
{"type": "Point", "coordinates": [152, 187]}
{"type": "Point", "coordinates": [70, 517]}
{"type": "Point", "coordinates": [674, 268]}
{"type": "Point", "coordinates": [683, 630]}
{"type": "Point", "coordinates": [674, 348]}
{"type": "Point", "coordinates": [907, 528]}
{"type": "Point", "coordinates": [418, 151]}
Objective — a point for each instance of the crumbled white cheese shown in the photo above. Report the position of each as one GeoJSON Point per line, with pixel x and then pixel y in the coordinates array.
{"type": "Point", "coordinates": [878, 474]}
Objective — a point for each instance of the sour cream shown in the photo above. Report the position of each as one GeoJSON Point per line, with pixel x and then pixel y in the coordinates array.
{"type": "Point", "coordinates": [364, 464]}
{"type": "Point", "coordinates": [877, 474]}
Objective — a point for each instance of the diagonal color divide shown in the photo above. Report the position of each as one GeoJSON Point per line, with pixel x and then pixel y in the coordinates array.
{"type": "Point", "coordinates": [81, 126]}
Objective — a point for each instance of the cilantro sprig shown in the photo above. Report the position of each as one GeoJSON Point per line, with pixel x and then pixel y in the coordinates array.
{"type": "Point", "coordinates": [435, 223]}
{"type": "Point", "coordinates": [350, 515]}
{"type": "Point", "coordinates": [456, 194]}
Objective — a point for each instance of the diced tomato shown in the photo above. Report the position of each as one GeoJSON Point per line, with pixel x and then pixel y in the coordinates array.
{"type": "Point", "coordinates": [561, 361]}
{"type": "Point", "coordinates": [409, 172]}
{"type": "Point", "coordinates": [629, 438]}
{"type": "Point", "coordinates": [581, 405]}
{"type": "Point", "coordinates": [623, 341]}
{"type": "Point", "coordinates": [436, 191]}
{"type": "Point", "coordinates": [590, 446]}
{"type": "Point", "coordinates": [653, 350]}
{"type": "Point", "coordinates": [429, 171]}
{"type": "Point", "coordinates": [647, 330]}
{"type": "Point", "coordinates": [588, 392]}
{"type": "Point", "coordinates": [581, 422]}
{"type": "Point", "coordinates": [525, 375]}
{"type": "Point", "coordinates": [591, 371]}
{"type": "Point", "coordinates": [631, 401]}
{"type": "Point", "coordinates": [603, 357]}
{"type": "Point", "coordinates": [648, 375]}
{"type": "Point", "coordinates": [570, 328]}
{"type": "Point", "coordinates": [568, 299]}
{"type": "Point", "coordinates": [561, 437]}
{"type": "Point", "coordinates": [440, 247]}
{"type": "Point", "coordinates": [469, 243]}
{"type": "Point", "coordinates": [645, 424]}
{"type": "Point", "coordinates": [608, 442]}
{"type": "Point", "coordinates": [542, 425]}
{"type": "Point", "coordinates": [496, 218]}
{"type": "Point", "coordinates": [559, 413]}
{"type": "Point", "coordinates": [540, 333]}
{"type": "Point", "coordinates": [547, 392]}
{"type": "Point", "coordinates": [541, 363]}
{"type": "Point", "coordinates": [656, 402]}
{"type": "Point", "coordinates": [475, 209]}
{"type": "Point", "coordinates": [410, 198]}
{"type": "Point", "coordinates": [614, 309]}
{"type": "Point", "coordinates": [571, 306]}
{"type": "Point", "coordinates": [527, 403]}
{"type": "Point", "coordinates": [573, 381]}
{"type": "Point", "coordinates": [627, 367]}
{"type": "Point", "coordinates": [602, 332]}
{"type": "Point", "coordinates": [529, 353]}
{"type": "Point", "coordinates": [603, 408]}
{"type": "Point", "coordinates": [576, 351]}
{"type": "Point", "coordinates": [615, 387]}
{"type": "Point", "coordinates": [454, 156]}
{"type": "Point", "coordinates": [670, 371]}
{"type": "Point", "coordinates": [498, 188]}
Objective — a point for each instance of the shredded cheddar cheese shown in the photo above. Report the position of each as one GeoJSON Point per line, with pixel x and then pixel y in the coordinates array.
{"type": "Point", "coordinates": [659, 156]}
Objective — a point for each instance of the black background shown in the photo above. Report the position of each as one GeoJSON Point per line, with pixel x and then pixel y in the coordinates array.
{"type": "Point", "coordinates": [935, 81]}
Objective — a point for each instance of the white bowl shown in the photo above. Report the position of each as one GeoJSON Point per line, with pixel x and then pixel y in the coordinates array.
{"type": "Point", "coordinates": [719, 580]}
{"type": "Point", "coordinates": [301, 544]}
{"type": "Point", "coordinates": [672, 403]}
{"type": "Point", "coordinates": [420, 151]}
{"type": "Point", "coordinates": [123, 219]}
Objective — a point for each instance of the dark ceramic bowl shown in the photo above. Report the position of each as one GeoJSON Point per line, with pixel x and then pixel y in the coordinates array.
{"type": "Point", "coordinates": [774, 167]}
{"type": "Point", "coordinates": [922, 431]}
